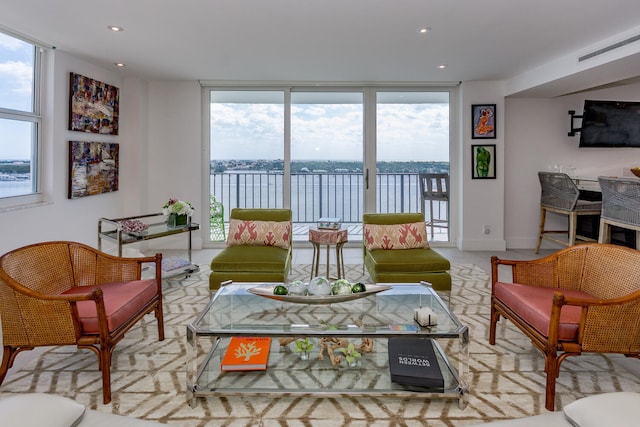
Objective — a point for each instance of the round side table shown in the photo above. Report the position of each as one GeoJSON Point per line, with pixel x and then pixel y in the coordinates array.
{"type": "Point", "coordinates": [329, 238]}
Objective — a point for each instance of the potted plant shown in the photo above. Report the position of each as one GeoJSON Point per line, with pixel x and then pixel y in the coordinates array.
{"type": "Point", "coordinates": [178, 211]}
{"type": "Point", "coordinates": [351, 355]}
{"type": "Point", "coordinates": [303, 346]}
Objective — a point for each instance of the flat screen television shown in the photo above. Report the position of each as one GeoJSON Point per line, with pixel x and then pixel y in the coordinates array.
{"type": "Point", "coordinates": [610, 124]}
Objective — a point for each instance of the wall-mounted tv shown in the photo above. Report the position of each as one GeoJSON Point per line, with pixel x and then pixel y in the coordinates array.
{"type": "Point", "coordinates": [610, 124]}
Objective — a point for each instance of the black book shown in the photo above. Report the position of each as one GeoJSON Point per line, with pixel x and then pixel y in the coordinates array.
{"type": "Point", "coordinates": [413, 361]}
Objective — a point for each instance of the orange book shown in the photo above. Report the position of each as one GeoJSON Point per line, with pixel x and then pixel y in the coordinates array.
{"type": "Point", "coordinates": [246, 354]}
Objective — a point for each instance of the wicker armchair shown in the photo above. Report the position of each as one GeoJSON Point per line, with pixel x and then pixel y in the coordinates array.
{"type": "Point", "coordinates": [560, 195]}
{"type": "Point", "coordinates": [582, 299]}
{"type": "Point", "coordinates": [620, 206]}
{"type": "Point", "coordinates": [66, 293]}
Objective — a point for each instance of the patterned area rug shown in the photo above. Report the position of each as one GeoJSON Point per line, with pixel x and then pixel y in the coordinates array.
{"type": "Point", "coordinates": [148, 377]}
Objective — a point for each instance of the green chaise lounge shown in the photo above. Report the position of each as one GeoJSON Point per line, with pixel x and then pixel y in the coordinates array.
{"type": "Point", "coordinates": [396, 250]}
{"type": "Point", "coordinates": [258, 248]}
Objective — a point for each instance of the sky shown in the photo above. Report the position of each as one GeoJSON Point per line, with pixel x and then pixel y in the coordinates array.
{"type": "Point", "coordinates": [16, 80]}
{"type": "Point", "coordinates": [246, 131]}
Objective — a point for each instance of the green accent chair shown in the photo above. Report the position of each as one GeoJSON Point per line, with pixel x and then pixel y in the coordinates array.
{"type": "Point", "coordinates": [251, 263]}
{"type": "Point", "coordinates": [405, 265]}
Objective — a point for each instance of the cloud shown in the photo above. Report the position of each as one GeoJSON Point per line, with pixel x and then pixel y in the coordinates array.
{"type": "Point", "coordinates": [16, 77]}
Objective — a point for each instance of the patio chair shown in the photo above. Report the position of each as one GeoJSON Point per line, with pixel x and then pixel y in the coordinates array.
{"type": "Point", "coordinates": [216, 214]}
{"type": "Point", "coordinates": [560, 195]}
{"type": "Point", "coordinates": [258, 248]}
{"type": "Point", "coordinates": [434, 188]}
{"type": "Point", "coordinates": [582, 299]}
{"type": "Point", "coordinates": [66, 293]}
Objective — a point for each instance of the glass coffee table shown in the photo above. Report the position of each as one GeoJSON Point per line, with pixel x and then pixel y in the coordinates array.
{"type": "Point", "coordinates": [234, 310]}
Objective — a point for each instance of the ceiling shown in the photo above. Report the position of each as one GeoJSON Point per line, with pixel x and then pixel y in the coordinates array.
{"type": "Point", "coordinates": [332, 40]}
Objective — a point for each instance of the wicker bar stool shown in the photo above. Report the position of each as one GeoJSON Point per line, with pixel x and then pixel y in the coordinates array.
{"type": "Point", "coordinates": [560, 195]}
{"type": "Point", "coordinates": [620, 206]}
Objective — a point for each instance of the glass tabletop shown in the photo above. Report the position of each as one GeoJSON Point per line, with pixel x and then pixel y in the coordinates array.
{"type": "Point", "coordinates": [234, 310]}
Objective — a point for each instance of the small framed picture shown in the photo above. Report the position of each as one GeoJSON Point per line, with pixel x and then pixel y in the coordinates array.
{"type": "Point", "coordinates": [483, 161]}
{"type": "Point", "coordinates": [483, 123]}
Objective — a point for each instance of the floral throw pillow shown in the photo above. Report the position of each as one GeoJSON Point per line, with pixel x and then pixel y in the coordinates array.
{"type": "Point", "coordinates": [395, 236]}
{"type": "Point", "coordinates": [259, 233]}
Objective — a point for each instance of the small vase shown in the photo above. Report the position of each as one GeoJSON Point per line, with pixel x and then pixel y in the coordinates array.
{"type": "Point", "coordinates": [304, 355]}
{"type": "Point", "coordinates": [353, 364]}
{"type": "Point", "coordinates": [177, 221]}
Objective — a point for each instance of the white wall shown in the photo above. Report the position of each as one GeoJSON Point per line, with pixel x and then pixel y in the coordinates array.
{"type": "Point", "coordinates": [175, 151]}
{"type": "Point", "coordinates": [481, 200]}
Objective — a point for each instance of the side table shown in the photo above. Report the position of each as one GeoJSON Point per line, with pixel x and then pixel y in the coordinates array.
{"type": "Point", "coordinates": [329, 238]}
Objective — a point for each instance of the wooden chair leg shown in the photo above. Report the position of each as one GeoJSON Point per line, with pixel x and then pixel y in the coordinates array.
{"type": "Point", "coordinates": [105, 366]}
{"type": "Point", "coordinates": [7, 361]}
{"type": "Point", "coordinates": [495, 316]}
{"type": "Point", "coordinates": [552, 368]}
{"type": "Point", "coordinates": [160, 319]}
{"type": "Point", "coordinates": [543, 215]}
{"type": "Point", "coordinates": [573, 227]}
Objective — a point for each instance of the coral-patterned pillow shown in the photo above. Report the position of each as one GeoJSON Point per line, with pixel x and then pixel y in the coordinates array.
{"type": "Point", "coordinates": [395, 236]}
{"type": "Point", "coordinates": [259, 233]}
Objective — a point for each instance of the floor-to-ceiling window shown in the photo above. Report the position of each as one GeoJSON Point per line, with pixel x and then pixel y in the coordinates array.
{"type": "Point", "coordinates": [326, 151]}
{"type": "Point", "coordinates": [412, 138]}
{"type": "Point", "coordinates": [247, 148]}
{"type": "Point", "coordinates": [326, 155]}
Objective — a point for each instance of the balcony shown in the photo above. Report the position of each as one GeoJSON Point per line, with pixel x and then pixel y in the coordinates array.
{"type": "Point", "coordinates": [322, 194]}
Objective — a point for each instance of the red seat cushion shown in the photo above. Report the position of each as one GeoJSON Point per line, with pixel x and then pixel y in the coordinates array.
{"type": "Point", "coordinates": [533, 304]}
{"type": "Point", "coordinates": [121, 301]}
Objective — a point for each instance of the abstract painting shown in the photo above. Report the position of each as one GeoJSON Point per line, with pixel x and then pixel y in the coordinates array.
{"type": "Point", "coordinates": [93, 168]}
{"type": "Point", "coordinates": [93, 106]}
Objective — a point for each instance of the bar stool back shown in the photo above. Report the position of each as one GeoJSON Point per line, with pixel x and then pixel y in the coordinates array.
{"type": "Point", "coordinates": [620, 206]}
{"type": "Point", "coordinates": [560, 195]}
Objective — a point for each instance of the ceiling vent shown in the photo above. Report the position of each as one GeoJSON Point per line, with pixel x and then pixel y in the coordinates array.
{"type": "Point", "coordinates": [609, 48]}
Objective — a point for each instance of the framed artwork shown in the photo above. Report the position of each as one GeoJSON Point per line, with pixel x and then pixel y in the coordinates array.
{"type": "Point", "coordinates": [93, 106]}
{"type": "Point", "coordinates": [483, 161]}
{"type": "Point", "coordinates": [483, 121]}
{"type": "Point", "coordinates": [93, 168]}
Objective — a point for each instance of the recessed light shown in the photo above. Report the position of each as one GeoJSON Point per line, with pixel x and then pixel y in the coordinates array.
{"type": "Point", "coordinates": [424, 30]}
{"type": "Point", "coordinates": [115, 28]}
{"type": "Point", "coordinates": [442, 66]}
{"type": "Point", "coordinates": [119, 64]}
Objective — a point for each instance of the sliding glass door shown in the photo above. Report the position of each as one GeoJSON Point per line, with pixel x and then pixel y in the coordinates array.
{"type": "Point", "coordinates": [246, 146]}
{"type": "Point", "coordinates": [326, 152]}
{"type": "Point", "coordinates": [326, 156]}
{"type": "Point", "coordinates": [412, 138]}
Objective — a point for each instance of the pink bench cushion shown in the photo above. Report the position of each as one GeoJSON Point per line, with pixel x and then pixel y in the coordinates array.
{"type": "Point", "coordinates": [121, 300]}
{"type": "Point", "coordinates": [533, 304]}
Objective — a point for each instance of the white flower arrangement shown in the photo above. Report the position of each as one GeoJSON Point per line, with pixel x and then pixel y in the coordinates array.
{"type": "Point", "coordinates": [177, 207]}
